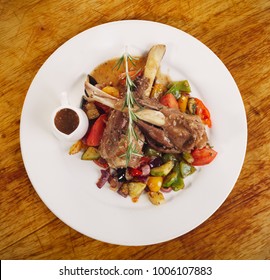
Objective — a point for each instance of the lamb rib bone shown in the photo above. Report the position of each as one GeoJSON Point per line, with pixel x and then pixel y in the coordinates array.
{"type": "Point", "coordinates": [154, 58]}
{"type": "Point", "coordinates": [148, 115]}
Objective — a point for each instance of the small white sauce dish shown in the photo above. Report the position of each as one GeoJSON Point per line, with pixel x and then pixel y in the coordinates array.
{"type": "Point", "coordinates": [69, 123]}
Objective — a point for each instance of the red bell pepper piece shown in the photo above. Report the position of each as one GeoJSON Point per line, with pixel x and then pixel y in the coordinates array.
{"type": "Point", "coordinates": [133, 74]}
{"type": "Point", "coordinates": [101, 162]}
{"type": "Point", "coordinates": [203, 112]}
{"type": "Point", "coordinates": [203, 156]}
{"type": "Point", "coordinates": [96, 131]}
{"type": "Point", "coordinates": [169, 100]}
{"type": "Point", "coordinates": [105, 108]}
{"type": "Point", "coordinates": [134, 172]}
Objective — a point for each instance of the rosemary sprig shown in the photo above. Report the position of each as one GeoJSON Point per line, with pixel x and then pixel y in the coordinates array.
{"type": "Point", "coordinates": [129, 104]}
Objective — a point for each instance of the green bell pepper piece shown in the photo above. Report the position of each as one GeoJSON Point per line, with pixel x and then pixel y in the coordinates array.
{"type": "Point", "coordinates": [177, 87]}
{"type": "Point", "coordinates": [186, 169]}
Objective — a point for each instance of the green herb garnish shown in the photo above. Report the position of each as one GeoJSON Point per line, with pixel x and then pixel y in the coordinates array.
{"type": "Point", "coordinates": [129, 104]}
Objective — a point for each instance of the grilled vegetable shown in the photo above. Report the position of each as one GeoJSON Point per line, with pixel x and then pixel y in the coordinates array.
{"type": "Point", "coordinates": [178, 182]}
{"type": "Point", "coordinates": [95, 134]}
{"type": "Point", "coordinates": [203, 156]}
{"type": "Point", "coordinates": [167, 157]}
{"type": "Point", "coordinates": [156, 197]}
{"type": "Point", "coordinates": [183, 101]}
{"type": "Point", "coordinates": [92, 80]}
{"type": "Point", "coordinates": [154, 183]}
{"type": "Point", "coordinates": [191, 106]}
{"type": "Point", "coordinates": [187, 157]}
{"type": "Point", "coordinates": [176, 88]}
{"type": "Point", "coordinates": [91, 111]}
{"type": "Point", "coordinates": [170, 179]}
{"type": "Point", "coordinates": [123, 190]}
{"type": "Point", "coordinates": [203, 112]}
{"type": "Point", "coordinates": [111, 91]}
{"type": "Point", "coordinates": [105, 174]}
{"type": "Point", "coordinates": [186, 169]}
{"type": "Point", "coordinates": [134, 172]}
{"type": "Point", "coordinates": [157, 91]}
{"type": "Point", "coordinates": [76, 147]}
{"type": "Point", "coordinates": [90, 153]}
{"type": "Point", "coordinates": [101, 162]}
{"type": "Point", "coordinates": [135, 189]}
{"type": "Point", "coordinates": [169, 100]}
{"type": "Point", "coordinates": [162, 170]}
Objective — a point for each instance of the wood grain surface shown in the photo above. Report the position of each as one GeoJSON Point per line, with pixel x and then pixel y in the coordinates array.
{"type": "Point", "coordinates": [238, 31]}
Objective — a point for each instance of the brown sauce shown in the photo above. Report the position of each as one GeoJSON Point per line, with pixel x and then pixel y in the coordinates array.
{"type": "Point", "coordinates": [107, 72]}
{"type": "Point", "coordinates": [66, 120]}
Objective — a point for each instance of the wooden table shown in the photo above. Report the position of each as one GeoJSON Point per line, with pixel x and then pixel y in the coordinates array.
{"type": "Point", "coordinates": [237, 31]}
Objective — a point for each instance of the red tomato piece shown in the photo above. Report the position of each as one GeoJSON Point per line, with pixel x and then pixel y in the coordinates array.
{"type": "Point", "coordinates": [134, 172]}
{"type": "Point", "coordinates": [203, 156]}
{"type": "Point", "coordinates": [203, 112]}
{"type": "Point", "coordinates": [96, 131]}
{"type": "Point", "coordinates": [169, 100]}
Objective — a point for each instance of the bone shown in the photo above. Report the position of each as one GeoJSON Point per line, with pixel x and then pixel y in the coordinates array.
{"type": "Point", "coordinates": [151, 116]}
{"type": "Point", "coordinates": [96, 94]}
{"type": "Point", "coordinates": [154, 58]}
{"type": "Point", "coordinates": [148, 115]}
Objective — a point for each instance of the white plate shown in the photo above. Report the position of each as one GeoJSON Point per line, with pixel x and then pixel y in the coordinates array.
{"type": "Point", "coordinates": [66, 184]}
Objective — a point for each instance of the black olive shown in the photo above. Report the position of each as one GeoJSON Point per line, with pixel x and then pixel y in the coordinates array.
{"type": "Point", "coordinates": [121, 174]}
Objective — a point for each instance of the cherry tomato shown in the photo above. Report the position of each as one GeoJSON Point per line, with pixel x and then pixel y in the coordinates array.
{"type": "Point", "coordinates": [203, 112]}
{"type": "Point", "coordinates": [203, 156]}
{"type": "Point", "coordinates": [169, 100]}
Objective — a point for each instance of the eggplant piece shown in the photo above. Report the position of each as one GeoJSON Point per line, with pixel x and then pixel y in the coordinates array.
{"type": "Point", "coordinates": [92, 81]}
{"type": "Point", "coordinates": [123, 190]}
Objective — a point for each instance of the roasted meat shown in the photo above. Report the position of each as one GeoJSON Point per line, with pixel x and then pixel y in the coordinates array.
{"type": "Point", "coordinates": [114, 142]}
{"type": "Point", "coordinates": [180, 133]}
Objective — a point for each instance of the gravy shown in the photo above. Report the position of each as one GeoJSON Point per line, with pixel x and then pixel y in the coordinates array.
{"type": "Point", "coordinates": [66, 120]}
{"type": "Point", "coordinates": [108, 73]}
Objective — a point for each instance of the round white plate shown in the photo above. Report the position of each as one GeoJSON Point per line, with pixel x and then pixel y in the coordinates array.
{"type": "Point", "coordinates": [66, 184]}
